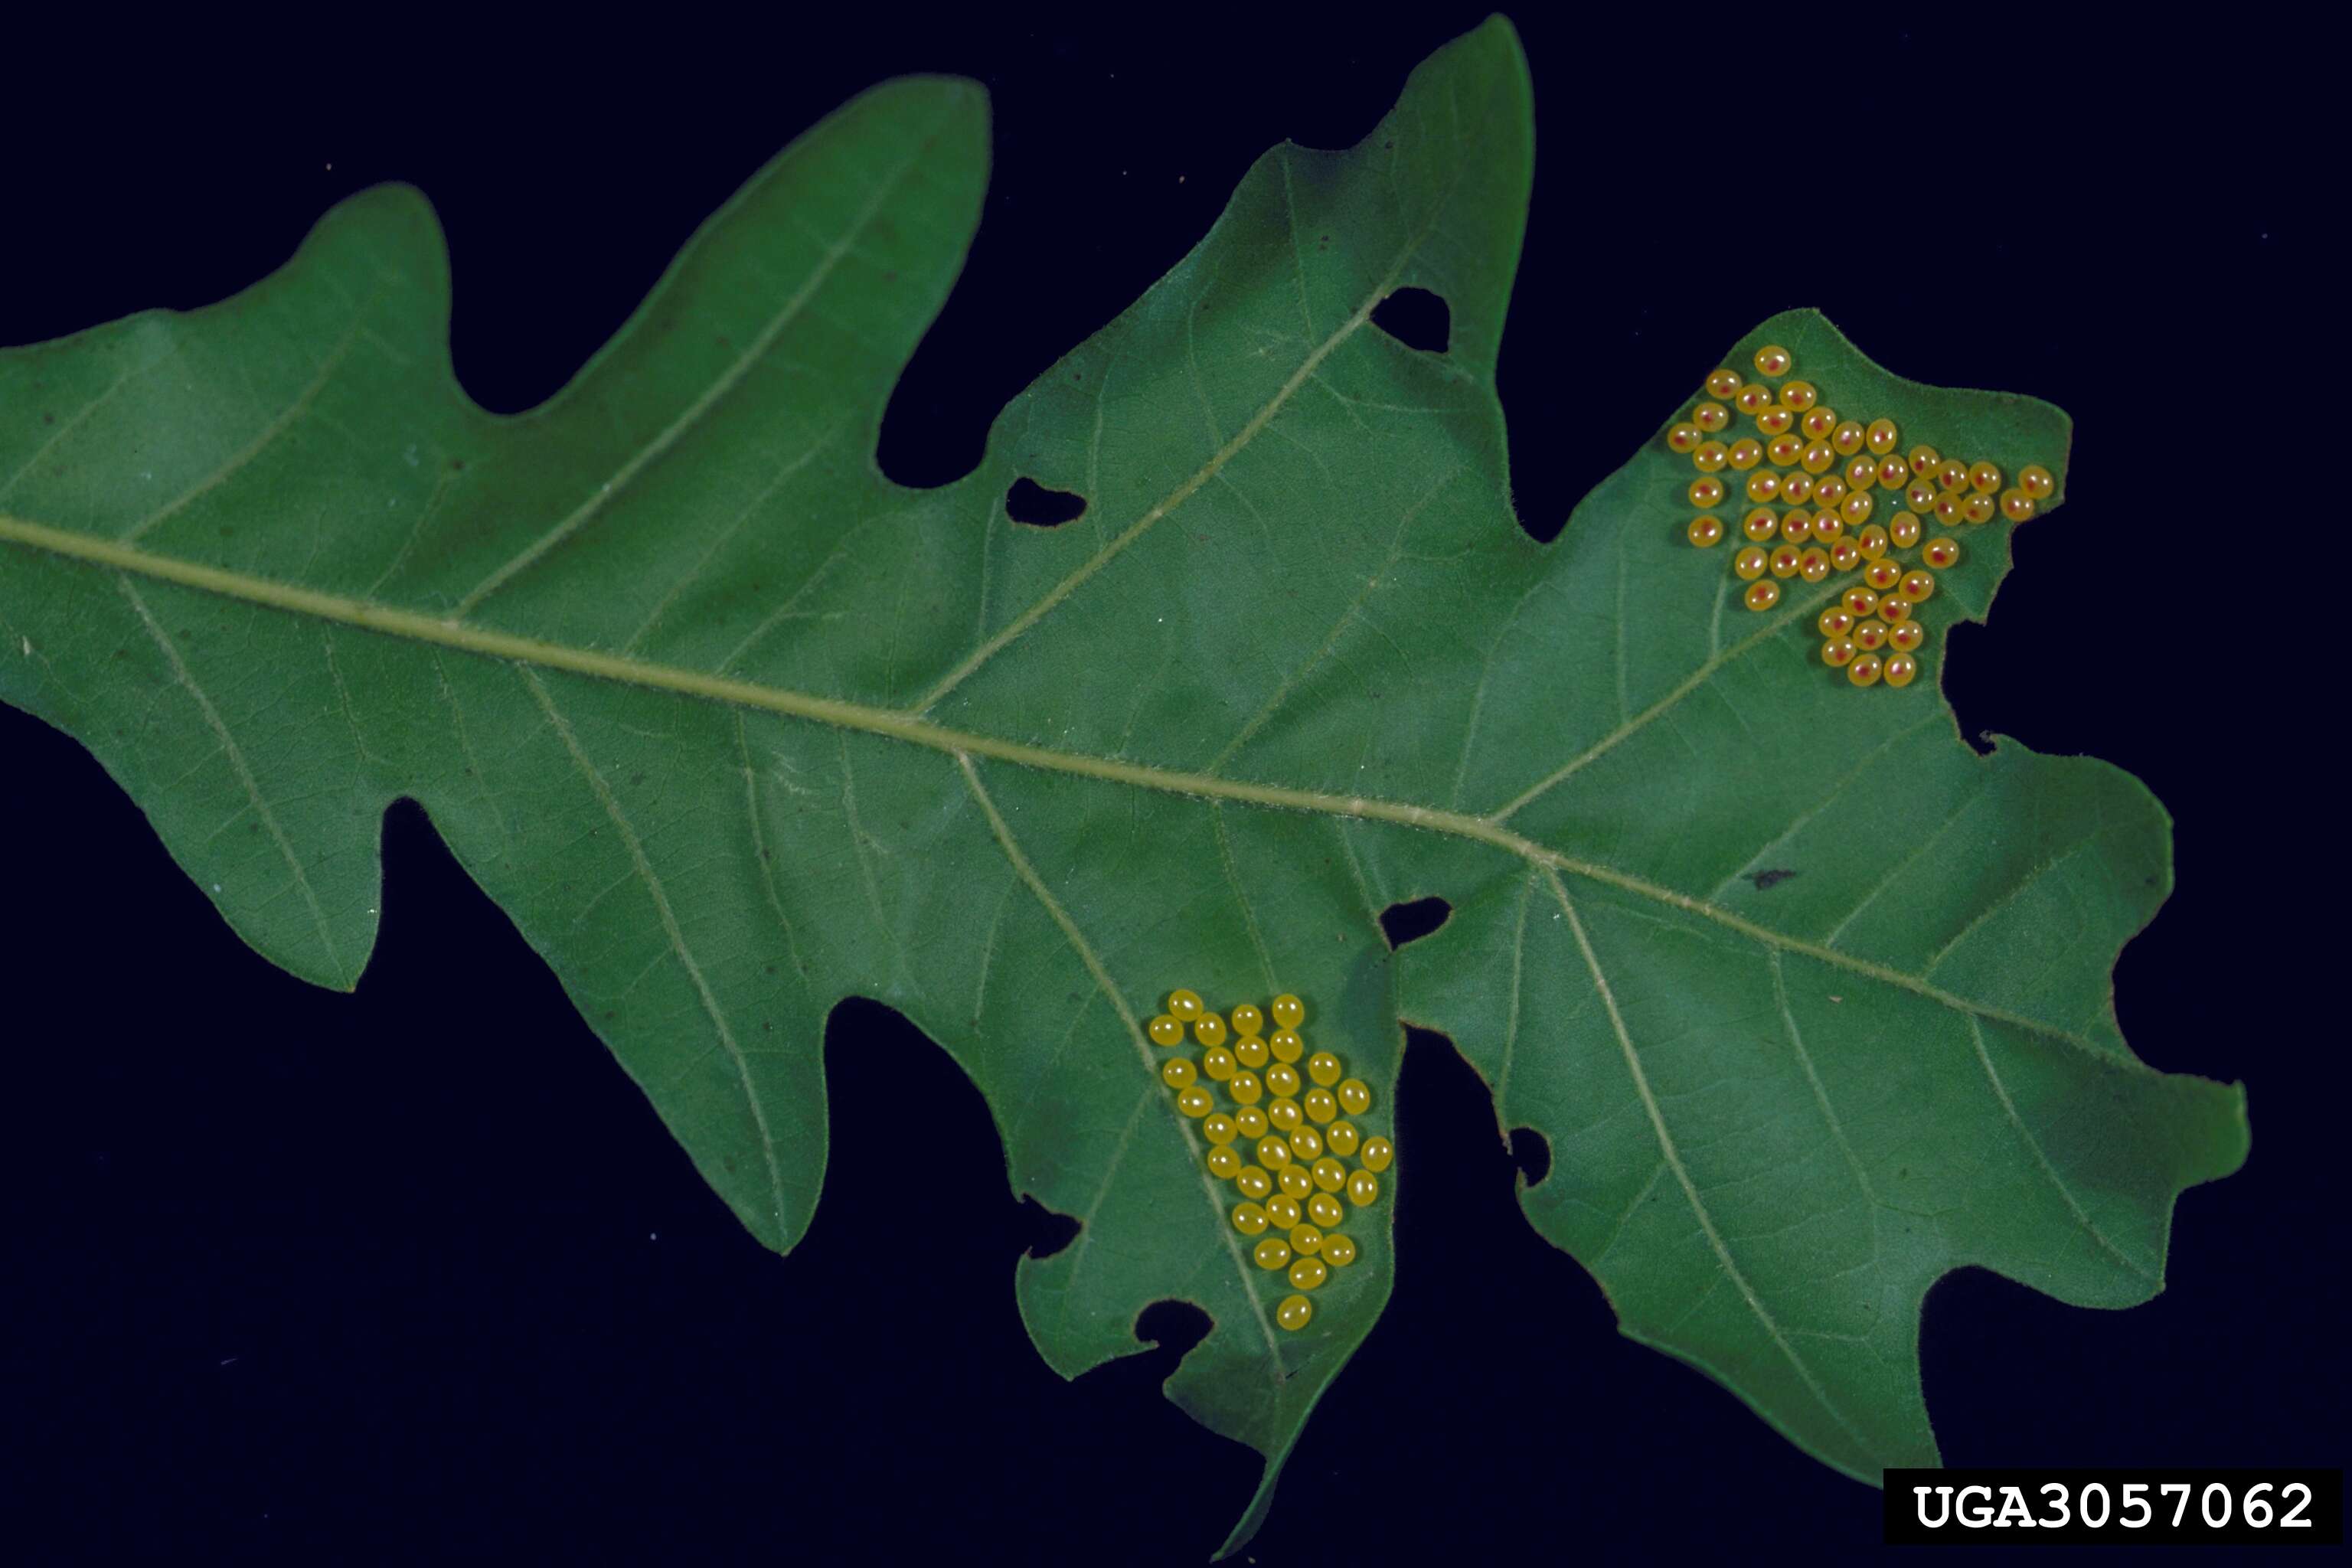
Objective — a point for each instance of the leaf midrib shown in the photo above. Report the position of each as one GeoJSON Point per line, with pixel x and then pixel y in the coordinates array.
{"type": "Point", "coordinates": [408, 624]}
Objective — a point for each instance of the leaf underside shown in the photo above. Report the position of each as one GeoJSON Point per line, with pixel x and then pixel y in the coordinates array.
{"type": "Point", "coordinates": [733, 728]}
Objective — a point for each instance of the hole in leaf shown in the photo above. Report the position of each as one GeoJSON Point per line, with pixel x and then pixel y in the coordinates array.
{"type": "Point", "coordinates": [1174, 1326]}
{"type": "Point", "coordinates": [1531, 1152]}
{"type": "Point", "coordinates": [1417, 318]}
{"type": "Point", "coordinates": [1030, 502]}
{"type": "Point", "coordinates": [1047, 1231]}
{"type": "Point", "coordinates": [1402, 923]}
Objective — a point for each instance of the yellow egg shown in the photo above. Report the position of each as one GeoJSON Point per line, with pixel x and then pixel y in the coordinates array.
{"type": "Point", "coordinates": [1282, 1211]}
{"type": "Point", "coordinates": [1711, 417]}
{"type": "Point", "coordinates": [1723, 384]}
{"type": "Point", "coordinates": [1798, 396]}
{"type": "Point", "coordinates": [1184, 1006]}
{"type": "Point", "coordinates": [1220, 1129]}
{"type": "Point", "coordinates": [1295, 1313]}
{"type": "Point", "coordinates": [1244, 1087]}
{"type": "Point", "coordinates": [1251, 1122]}
{"type": "Point", "coordinates": [1880, 436]}
{"type": "Point", "coordinates": [1305, 1240]}
{"type": "Point", "coordinates": [1273, 1153]}
{"type": "Point", "coordinates": [1196, 1101]}
{"type": "Point", "coordinates": [1272, 1252]}
{"type": "Point", "coordinates": [1219, 1064]}
{"type": "Point", "coordinates": [1899, 668]}
{"type": "Point", "coordinates": [1287, 1046]}
{"type": "Point", "coordinates": [1864, 670]}
{"type": "Point", "coordinates": [1224, 1163]}
{"type": "Point", "coordinates": [1177, 1072]}
{"type": "Point", "coordinates": [1343, 1137]}
{"type": "Point", "coordinates": [1166, 1031]}
{"type": "Point", "coordinates": [1363, 1187]}
{"type": "Point", "coordinates": [1324, 1210]}
{"type": "Point", "coordinates": [1247, 1021]}
{"type": "Point", "coordinates": [1249, 1050]}
{"type": "Point", "coordinates": [1283, 1113]}
{"type": "Point", "coordinates": [1282, 1079]}
{"type": "Point", "coordinates": [1338, 1250]}
{"type": "Point", "coordinates": [1772, 360]}
{"type": "Point", "coordinates": [1329, 1174]}
{"type": "Point", "coordinates": [1307, 1273]}
{"type": "Point", "coordinates": [1288, 1011]}
{"type": "Point", "coordinates": [1378, 1153]}
{"type": "Point", "coordinates": [1255, 1182]}
{"type": "Point", "coordinates": [2036, 481]}
{"type": "Point", "coordinates": [1318, 1104]}
{"type": "Point", "coordinates": [1761, 595]}
{"type": "Point", "coordinates": [1249, 1220]}
{"type": "Point", "coordinates": [1294, 1182]}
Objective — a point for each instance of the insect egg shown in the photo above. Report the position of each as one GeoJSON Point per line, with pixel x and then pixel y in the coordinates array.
{"type": "Point", "coordinates": [1862, 473]}
{"type": "Point", "coordinates": [1220, 1129]}
{"type": "Point", "coordinates": [1797, 486]}
{"type": "Point", "coordinates": [1798, 396]}
{"type": "Point", "coordinates": [1219, 1064]}
{"type": "Point", "coordinates": [1355, 1095]}
{"type": "Point", "coordinates": [1952, 475]}
{"type": "Point", "coordinates": [1244, 1087]}
{"type": "Point", "coordinates": [1378, 1153]}
{"type": "Point", "coordinates": [1899, 668]}
{"type": "Point", "coordinates": [1272, 1253]}
{"type": "Point", "coordinates": [1864, 670]}
{"type": "Point", "coordinates": [1286, 1045]}
{"type": "Point", "coordinates": [1249, 1220]}
{"type": "Point", "coordinates": [1772, 360]}
{"type": "Point", "coordinates": [1273, 1153]}
{"type": "Point", "coordinates": [1920, 495]}
{"type": "Point", "coordinates": [1289, 1012]}
{"type": "Point", "coordinates": [1209, 1029]}
{"type": "Point", "coordinates": [1816, 457]}
{"type": "Point", "coordinates": [1723, 384]}
{"type": "Point", "coordinates": [1870, 636]}
{"type": "Point", "coordinates": [1325, 1210]}
{"type": "Point", "coordinates": [1883, 574]}
{"type": "Point", "coordinates": [1922, 459]}
{"type": "Point", "coordinates": [1951, 510]}
{"type": "Point", "coordinates": [1763, 485]}
{"type": "Point", "coordinates": [1873, 541]}
{"type": "Point", "coordinates": [1860, 601]}
{"type": "Point", "coordinates": [1903, 531]}
{"type": "Point", "coordinates": [1838, 652]}
{"type": "Point", "coordinates": [1880, 436]}
{"type": "Point", "coordinates": [1343, 1137]}
{"type": "Point", "coordinates": [1819, 421]}
{"type": "Point", "coordinates": [1711, 417]}
{"type": "Point", "coordinates": [1894, 473]}
{"type": "Point", "coordinates": [2035, 481]}
{"type": "Point", "coordinates": [1828, 490]}
{"type": "Point", "coordinates": [1894, 608]}
{"type": "Point", "coordinates": [1224, 1163]}
{"type": "Point", "coordinates": [1251, 1122]}
{"type": "Point", "coordinates": [1835, 621]}
{"type": "Point", "coordinates": [1848, 438]}
{"type": "Point", "coordinates": [1827, 524]}
{"type": "Point", "coordinates": [1941, 553]}
{"type": "Point", "coordinates": [1255, 1182]}
{"type": "Point", "coordinates": [1324, 1069]}
{"type": "Point", "coordinates": [1797, 527]}
{"type": "Point", "coordinates": [1196, 1101]}
{"type": "Point", "coordinates": [1338, 1251]}
{"type": "Point", "coordinates": [1176, 1072]}
{"type": "Point", "coordinates": [1247, 1021]}
{"type": "Point", "coordinates": [1309, 1272]}
{"type": "Point", "coordinates": [1759, 525]}
{"type": "Point", "coordinates": [1856, 507]}
{"type": "Point", "coordinates": [2016, 505]}
{"type": "Point", "coordinates": [1329, 1174]}
{"type": "Point", "coordinates": [1166, 1031]}
{"type": "Point", "coordinates": [1295, 1313]}
{"type": "Point", "coordinates": [1284, 1114]}
{"type": "Point", "coordinates": [1320, 1104]}
{"type": "Point", "coordinates": [1295, 1183]}
{"type": "Point", "coordinates": [1783, 450]}
{"type": "Point", "coordinates": [1785, 560]}
{"type": "Point", "coordinates": [1775, 421]}
{"type": "Point", "coordinates": [1979, 509]}
{"type": "Point", "coordinates": [1845, 555]}
{"type": "Point", "coordinates": [1363, 1189]}
{"type": "Point", "coordinates": [1306, 1143]}
{"type": "Point", "coordinates": [1282, 1079]}
{"type": "Point", "coordinates": [1185, 1005]}
{"type": "Point", "coordinates": [1813, 565]}
{"type": "Point", "coordinates": [1306, 1239]}
{"type": "Point", "coordinates": [1745, 453]}
{"type": "Point", "coordinates": [1753, 398]}
{"type": "Point", "coordinates": [1282, 1211]}
{"type": "Point", "coordinates": [1985, 478]}
{"type": "Point", "coordinates": [1907, 635]}
{"type": "Point", "coordinates": [1249, 1050]}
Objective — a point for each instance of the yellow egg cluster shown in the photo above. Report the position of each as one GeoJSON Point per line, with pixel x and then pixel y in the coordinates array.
{"type": "Point", "coordinates": [1284, 1140]}
{"type": "Point", "coordinates": [1829, 473]}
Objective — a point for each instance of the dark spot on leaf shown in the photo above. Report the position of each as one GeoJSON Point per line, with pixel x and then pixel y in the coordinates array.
{"type": "Point", "coordinates": [1171, 1325]}
{"type": "Point", "coordinates": [1030, 502]}
{"type": "Point", "coordinates": [636, 779]}
{"type": "Point", "coordinates": [1048, 1232]}
{"type": "Point", "coordinates": [767, 968]}
{"type": "Point", "coordinates": [891, 276]}
{"type": "Point", "coordinates": [1771, 879]}
{"type": "Point", "coordinates": [728, 1161]}
{"type": "Point", "coordinates": [1406, 922]}
{"type": "Point", "coordinates": [457, 463]}
{"type": "Point", "coordinates": [610, 1015]}
{"type": "Point", "coordinates": [1417, 318]}
{"type": "Point", "coordinates": [1531, 1152]}
{"type": "Point", "coordinates": [48, 418]}
{"type": "Point", "coordinates": [767, 1026]}
{"type": "Point", "coordinates": [226, 531]}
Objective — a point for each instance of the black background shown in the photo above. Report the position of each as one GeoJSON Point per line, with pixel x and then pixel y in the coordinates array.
{"type": "Point", "coordinates": [419, 1271]}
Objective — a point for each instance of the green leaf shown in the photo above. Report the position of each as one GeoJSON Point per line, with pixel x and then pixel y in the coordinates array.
{"type": "Point", "coordinates": [733, 728]}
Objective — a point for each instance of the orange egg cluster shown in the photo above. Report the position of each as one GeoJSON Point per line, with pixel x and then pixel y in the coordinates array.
{"type": "Point", "coordinates": [1814, 481]}
{"type": "Point", "coordinates": [1285, 1138]}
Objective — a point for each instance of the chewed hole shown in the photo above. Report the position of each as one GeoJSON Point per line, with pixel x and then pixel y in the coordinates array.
{"type": "Point", "coordinates": [1417, 318]}
{"type": "Point", "coordinates": [1030, 502]}
{"type": "Point", "coordinates": [1048, 1232]}
{"type": "Point", "coordinates": [1172, 1325]}
{"type": "Point", "coordinates": [1402, 923]}
{"type": "Point", "coordinates": [1531, 1152]}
